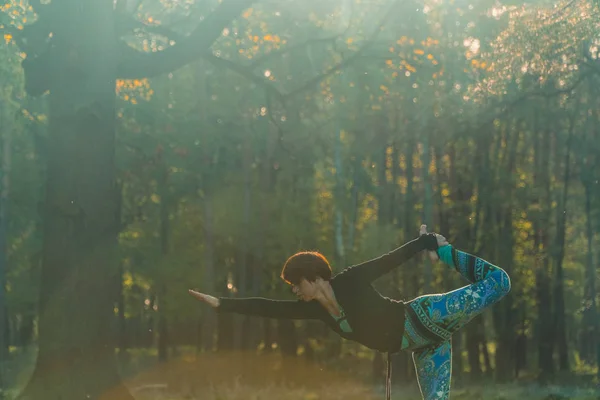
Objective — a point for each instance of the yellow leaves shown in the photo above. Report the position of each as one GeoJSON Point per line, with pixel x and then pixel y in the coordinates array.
{"type": "Point", "coordinates": [479, 64]}
{"type": "Point", "coordinates": [255, 39]}
{"type": "Point", "coordinates": [248, 13]}
{"type": "Point", "coordinates": [429, 56]}
{"type": "Point", "coordinates": [389, 62]}
{"type": "Point", "coordinates": [392, 50]}
{"type": "Point", "coordinates": [132, 89]}
{"type": "Point", "coordinates": [349, 40]}
{"type": "Point", "coordinates": [7, 38]}
{"type": "Point", "coordinates": [384, 89]}
{"type": "Point", "coordinates": [127, 277]}
{"type": "Point", "coordinates": [272, 38]}
{"type": "Point", "coordinates": [418, 52]}
{"type": "Point", "coordinates": [407, 66]}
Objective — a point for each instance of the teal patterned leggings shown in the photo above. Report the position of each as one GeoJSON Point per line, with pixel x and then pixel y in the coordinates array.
{"type": "Point", "coordinates": [432, 319]}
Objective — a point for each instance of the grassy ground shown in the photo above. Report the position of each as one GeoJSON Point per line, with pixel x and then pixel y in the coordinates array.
{"type": "Point", "coordinates": [235, 377]}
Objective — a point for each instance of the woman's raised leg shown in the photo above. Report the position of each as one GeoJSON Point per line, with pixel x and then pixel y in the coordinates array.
{"type": "Point", "coordinates": [440, 315]}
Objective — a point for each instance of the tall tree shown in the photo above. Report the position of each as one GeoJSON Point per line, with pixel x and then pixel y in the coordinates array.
{"type": "Point", "coordinates": [74, 52]}
{"type": "Point", "coordinates": [5, 164]}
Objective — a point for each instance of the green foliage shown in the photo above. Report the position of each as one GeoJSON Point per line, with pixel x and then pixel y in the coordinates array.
{"type": "Point", "coordinates": [307, 127]}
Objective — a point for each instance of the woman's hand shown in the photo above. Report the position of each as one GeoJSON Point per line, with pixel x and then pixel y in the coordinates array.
{"type": "Point", "coordinates": [210, 300]}
{"type": "Point", "coordinates": [441, 241]}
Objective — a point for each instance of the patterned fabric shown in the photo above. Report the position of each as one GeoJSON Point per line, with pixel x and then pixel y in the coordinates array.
{"type": "Point", "coordinates": [432, 319]}
{"type": "Point", "coordinates": [434, 370]}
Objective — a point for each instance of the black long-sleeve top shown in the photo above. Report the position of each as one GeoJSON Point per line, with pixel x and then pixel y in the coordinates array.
{"type": "Point", "coordinates": [377, 322]}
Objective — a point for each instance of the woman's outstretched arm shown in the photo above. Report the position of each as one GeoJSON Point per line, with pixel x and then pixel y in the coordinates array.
{"type": "Point", "coordinates": [261, 307]}
{"type": "Point", "coordinates": [370, 270]}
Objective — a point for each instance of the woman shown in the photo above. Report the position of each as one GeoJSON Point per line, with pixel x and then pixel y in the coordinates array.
{"type": "Point", "coordinates": [349, 305]}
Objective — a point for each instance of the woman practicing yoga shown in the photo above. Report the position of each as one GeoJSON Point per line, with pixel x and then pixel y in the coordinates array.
{"type": "Point", "coordinates": [349, 305]}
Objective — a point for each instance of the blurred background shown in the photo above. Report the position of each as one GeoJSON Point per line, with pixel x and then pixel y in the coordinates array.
{"type": "Point", "coordinates": [152, 146]}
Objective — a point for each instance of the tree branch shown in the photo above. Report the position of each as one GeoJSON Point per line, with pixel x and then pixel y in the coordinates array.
{"type": "Point", "coordinates": [128, 24]}
{"type": "Point", "coordinates": [331, 39]}
{"type": "Point", "coordinates": [358, 54]}
{"type": "Point", "coordinates": [247, 73]}
{"type": "Point", "coordinates": [277, 53]}
{"type": "Point", "coordinates": [135, 64]}
{"type": "Point", "coordinates": [508, 105]}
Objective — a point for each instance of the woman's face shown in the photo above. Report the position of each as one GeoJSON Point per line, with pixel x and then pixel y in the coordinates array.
{"type": "Point", "coordinates": [305, 290]}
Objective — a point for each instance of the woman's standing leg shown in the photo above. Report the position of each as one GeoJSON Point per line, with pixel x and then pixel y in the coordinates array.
{"type": "Point", "coordinates": [434, 371]}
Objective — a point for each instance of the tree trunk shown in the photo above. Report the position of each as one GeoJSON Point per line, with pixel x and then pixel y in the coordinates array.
{"type": "Point", "coordinates": [266, 190]}
{"type": "Point", "coordinates": [427, 216]}
{"type": "Point", "coordinates": [286, 337]}
{"type": "Point", "coordinates": [520, 347]}
{"type": "Point", "coordinates": [402, 362]}
{"type": "Point", "coordinates": [590, 312]}
{"type": "Point", "coordinates": [457, 339]}
{"type": "Point", "coordinates": [76, 357]}
{"type": "Point", "coordinates": [461, 193]}
{"type": "Point", "coordinates": [543, 286]}
{"type": "Point", "coordinates": [209, 318]}
{"type": "Point", "coordinates": [340, 250]}
{"type": "Point", "coordinates": [486, 356]}
{"type": "Point", "coordinates": [559, 295]}
{"type": "Point", "coordinates": [5, 151]}
{"type": "Point", "coordinates": [335, 345]}
{"type": "Point", "coordinates": [503, 313]}
{"type": "Point", "coordinates": [121, 321]}
{"type": "Point", "coordinates": [225, 329]}
{"type": "Point", "coordinates": [241, 322]}
{"type": "Point", "coordinates": [163, 334]}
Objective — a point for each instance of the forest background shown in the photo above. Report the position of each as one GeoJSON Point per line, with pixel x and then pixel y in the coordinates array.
{"type": "Point", "coordinates": [152, 146]}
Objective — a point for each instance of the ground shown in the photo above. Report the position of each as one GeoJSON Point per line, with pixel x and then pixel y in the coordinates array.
{"type": "Point", "coordinates": [233, 377]}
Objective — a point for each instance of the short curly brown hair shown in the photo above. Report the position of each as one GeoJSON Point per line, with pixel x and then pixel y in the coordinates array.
{"type": "Point", "coordinates": [309, 265]}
